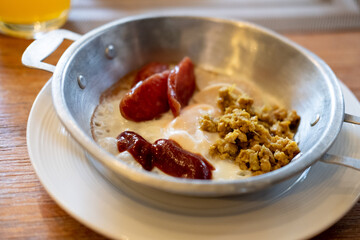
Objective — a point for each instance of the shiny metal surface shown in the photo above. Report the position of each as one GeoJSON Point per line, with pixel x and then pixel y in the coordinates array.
{"type": "Point", "coordinates": [351, 119]}
{"type": "Point", "coordinates": [110, 51]}
{"type": "Point", "coordinates": [341, 160]}
{"type": "Point", "coordinates": [43, 47]}
{"type": "Point", "coordinates": [81, 81]}
{"type": "Point", "coordinates": [278, 66]}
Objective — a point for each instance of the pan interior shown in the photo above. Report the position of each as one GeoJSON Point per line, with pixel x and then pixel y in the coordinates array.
{"type": "Point", "coordinates": [290, 74]}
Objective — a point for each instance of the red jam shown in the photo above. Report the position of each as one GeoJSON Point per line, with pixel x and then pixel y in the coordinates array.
{"type": "Point", "coordinates": [167, 155]}
{"type": "Point", "coordinates": [157, 90]}
{"type": "Point", "coordinates": [181, 85]}
{"type": "Point", "coordinates": [138, 147]}
{"type": "Point", "coordinates": [149, 70]}
{"type": "Point", "coordinates": [172, 159]}
{"type": "Point", "coordinates": [147, 100]}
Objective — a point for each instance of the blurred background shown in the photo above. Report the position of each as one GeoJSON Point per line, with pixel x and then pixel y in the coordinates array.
{"type": "Point", "coordinates": [279, 15]}
{"type": "Point", "coordinates": [30, 19]}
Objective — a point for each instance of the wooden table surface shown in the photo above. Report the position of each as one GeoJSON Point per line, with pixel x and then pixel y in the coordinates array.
{"type": "Point", "coordinates": [27, 211]}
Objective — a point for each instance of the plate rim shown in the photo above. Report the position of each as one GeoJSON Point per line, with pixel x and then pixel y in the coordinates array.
{"type": "Point", "coordinates": [47, 90]}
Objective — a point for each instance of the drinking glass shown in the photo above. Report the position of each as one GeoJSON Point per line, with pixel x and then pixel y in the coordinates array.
{"type": "Point", "coordinates": [30, 18]}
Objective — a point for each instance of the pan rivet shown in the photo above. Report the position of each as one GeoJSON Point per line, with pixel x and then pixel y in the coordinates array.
{"type": "Point", "coordinates": [110, 51]}
{"type": "Point", "coordinates": [315, 120]}
{"type": "Point", "coordinates": [81, 81]}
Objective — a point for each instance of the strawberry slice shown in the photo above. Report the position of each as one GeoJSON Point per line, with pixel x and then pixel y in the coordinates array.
{"type": "Point", "coordinates": [181, 85]}
{"type": "Point", "coordinates": [147, 100]}
{"type": "Point", "coordinates": [149, 70]}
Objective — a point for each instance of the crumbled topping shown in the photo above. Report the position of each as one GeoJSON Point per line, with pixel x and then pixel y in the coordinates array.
{"type": "Point", "coordinates": [257, 139]}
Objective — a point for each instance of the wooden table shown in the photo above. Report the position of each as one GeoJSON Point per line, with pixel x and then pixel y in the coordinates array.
{"type": "Point", "coordinates": [27, 211]}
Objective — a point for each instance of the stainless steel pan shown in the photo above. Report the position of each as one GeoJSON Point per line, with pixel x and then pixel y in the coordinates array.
{"type": "Point", "coordinates": [96, 60]}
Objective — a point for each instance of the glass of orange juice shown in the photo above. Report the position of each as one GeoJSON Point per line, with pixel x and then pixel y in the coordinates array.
{"type": "Point", "coordinates": [30, 18]}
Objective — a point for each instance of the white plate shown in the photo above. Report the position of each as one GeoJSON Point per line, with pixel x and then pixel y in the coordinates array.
{"type": "Point", "coordinates": [298, 208]}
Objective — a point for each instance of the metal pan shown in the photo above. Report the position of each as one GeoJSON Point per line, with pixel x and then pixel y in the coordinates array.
{"type": "Point", "coordinates": [96, 60]}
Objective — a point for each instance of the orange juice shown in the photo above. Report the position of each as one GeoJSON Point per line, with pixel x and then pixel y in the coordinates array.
{"type": "Point", "coordinates": [32, 15]}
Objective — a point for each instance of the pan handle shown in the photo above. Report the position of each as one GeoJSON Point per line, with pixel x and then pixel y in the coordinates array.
{"type": "Point", "coordinates": [342, 160]}
{"type": "Point", "coordinates": [351, 119]}
{"type": "Point", "coordinates": [41, 48]}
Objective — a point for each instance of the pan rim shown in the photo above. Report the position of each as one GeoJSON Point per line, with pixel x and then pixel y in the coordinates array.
{"type": "Point", "coordinates": [190, 186]}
